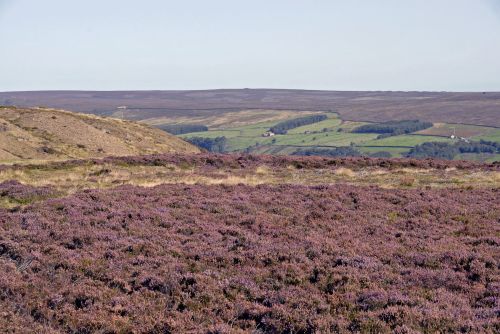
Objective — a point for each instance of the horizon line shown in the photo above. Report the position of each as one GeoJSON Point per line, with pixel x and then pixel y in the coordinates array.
{"type": "Point", "coordinates": [230, 89]}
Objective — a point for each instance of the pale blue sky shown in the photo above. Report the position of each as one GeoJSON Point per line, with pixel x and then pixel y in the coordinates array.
{"type": "Point", "coordinates": [200, 44]}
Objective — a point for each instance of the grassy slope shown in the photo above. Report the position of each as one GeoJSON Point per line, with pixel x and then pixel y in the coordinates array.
{"type": "Point", "coordinates": [491, 136]}
{"type": "Point", "coordinates": [48, 134]}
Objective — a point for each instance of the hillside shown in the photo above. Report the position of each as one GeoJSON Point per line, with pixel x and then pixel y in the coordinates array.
{"type": "Point", "coordinates": [49, 134]}
{"type": "Point", "coordinates": [206, 243]}
{"type": "Point", "coordinates": [436, 107]}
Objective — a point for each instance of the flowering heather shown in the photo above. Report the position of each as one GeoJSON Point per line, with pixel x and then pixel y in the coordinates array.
{"type": "Point", "coordinates": [18, 192]}
{"type": "Point", "coordinates": [241, 259]}
{"type": "Point", "coordinates": [251, 161]}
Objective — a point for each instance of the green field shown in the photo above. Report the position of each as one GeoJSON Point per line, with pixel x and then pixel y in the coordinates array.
{"type": "Point", "coordinates": [493, 135]}
{"type": "Point", "coordinates": [478, 157]}
{"type": "Point", "coordinates": [241, 138]}
{"type": "Point", "coordinates": [333, 132]}
{"type": "Point", "coordinates": [396, 152]}
{"type": "Point", "coordinates": [330, 124]}
{"type": "Point", "coordinates": [406, 140]}
{"type": "Point", "coordinates": [460, 130]}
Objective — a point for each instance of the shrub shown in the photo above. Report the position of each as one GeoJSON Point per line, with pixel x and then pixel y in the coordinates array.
{"type": "Point", "coordinates": [271, 258]}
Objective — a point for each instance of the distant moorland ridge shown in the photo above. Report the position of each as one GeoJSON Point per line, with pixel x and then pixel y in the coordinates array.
{"type": "Point", "coordinates": [447, 107]}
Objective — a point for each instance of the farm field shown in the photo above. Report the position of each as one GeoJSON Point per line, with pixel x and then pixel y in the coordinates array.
{"type": "Point", "coordinates": [461, 130]}
{"type": "Point", "coordinates": [334, 132]}
{"type": "Point", "coordinates": [250, 136]}
{"type": "Point", "coordinates": [395, 151]}
{"type": "Point", "coordinates": [203, 243]}
{"type": "Point", "coordinates": [490, 136]}
{"type": "Point", "coordinates": [479, 157]}
{"type": "Point", "coordinates": [407, 140]}
{"type": "Point", "coordinates": [227, 118]}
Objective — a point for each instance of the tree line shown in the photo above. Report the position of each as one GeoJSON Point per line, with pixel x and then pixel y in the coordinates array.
{"type": "Point", "coordinates": [178, 129]}
{"type": "Point", "coordinates": [449, 151]}
{"type": "Point", "coordinates": [393, 128]}
{"type": "Point", "coordinates": [217, 145]}
{"type": "Point", "coordinates": [282, 127]}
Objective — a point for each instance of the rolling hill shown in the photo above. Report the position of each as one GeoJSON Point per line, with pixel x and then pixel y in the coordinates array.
{"type": "Point", "coordinates": [436, 107]}
{"type": "Point", "coordinates": [50, 134]}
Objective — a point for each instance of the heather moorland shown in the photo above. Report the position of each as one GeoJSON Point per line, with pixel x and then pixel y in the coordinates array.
{"type": "Point", "coordinates": [247, 244]}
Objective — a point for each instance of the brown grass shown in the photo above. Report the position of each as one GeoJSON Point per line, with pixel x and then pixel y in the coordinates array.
{"type": "Point", "coordinates": [229, 119]}
{"type": "Point", "coordinates": [38, 134]}
{"type": "Point", "coordinates": [74, 178]}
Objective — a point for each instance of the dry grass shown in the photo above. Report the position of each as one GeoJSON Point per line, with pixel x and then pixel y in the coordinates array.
{"type": "Point", "coordinates": [71, 179]}
{"type": "Point", "coordinates": [495, 177]}
{"type": "Point", "coordinates": [230, 119]}
{"type": "Point", "coordinates": [407, 181]}
{"type": "Point", "coordinates": [345, 172]}
{"type": "Point", "coordinates": [36, 135]}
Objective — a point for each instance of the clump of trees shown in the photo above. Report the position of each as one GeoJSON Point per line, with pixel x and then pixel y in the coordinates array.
{"type": "Point", "coordinates": [282, 127]}
{"type": "Point", "coordinates": [344, 151]}
{"type": "Point", "coordinates": [450, 151]}
{"type": "Point", "coordinates": [178, 129]}
{"type": "Point", "coordinates": [393, 128]}
{"type": "Point", "coordinates": [217, 145]}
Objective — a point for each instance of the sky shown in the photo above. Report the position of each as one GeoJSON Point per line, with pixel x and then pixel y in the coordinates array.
{"type": "Point", "coordinates": [404, 45]}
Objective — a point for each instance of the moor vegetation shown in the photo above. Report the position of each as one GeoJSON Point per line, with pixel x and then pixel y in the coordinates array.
{"type": "Point", "coordinates": [19, 193]}
{"type": "Point", "coordinates": [240, 259]}
{"type": "Point", "coordinates": [248, 161]}
{"type": "Point", "coordinates": [448, 107]}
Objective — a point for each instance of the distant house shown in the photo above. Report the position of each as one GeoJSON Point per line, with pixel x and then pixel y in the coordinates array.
{"type": "Point", "coordinates": [268, 134]}
{"type": "Point", "coordinates": [122, 107]}
{"type": "Point", "coordinates": [307, 132]}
